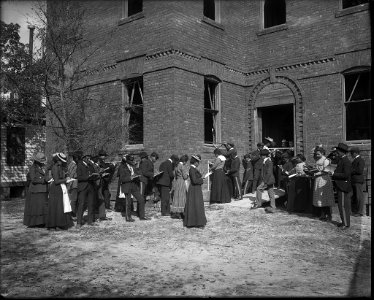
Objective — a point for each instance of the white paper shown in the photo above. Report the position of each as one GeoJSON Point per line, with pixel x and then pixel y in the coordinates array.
{"type": "Point", "coordinates": [207, 174]}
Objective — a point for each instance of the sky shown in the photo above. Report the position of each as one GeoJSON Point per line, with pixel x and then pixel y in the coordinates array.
{"type": "Point", "coordinates": [20, 12]}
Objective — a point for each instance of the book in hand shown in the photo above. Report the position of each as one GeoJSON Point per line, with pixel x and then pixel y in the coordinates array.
{"type": "Point", "coordinates": [94, 176]}
{"type": "Point", "coordinates": [208, 174]}
{"type": "Point", "coordinates": [158, 174]}
{"type": "Point", "coordinates": [70, 180]}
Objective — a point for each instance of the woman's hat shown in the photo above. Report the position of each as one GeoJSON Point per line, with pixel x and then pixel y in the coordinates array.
{"type": "Point", "coordinates": [143, 154]}
{"type": "Point", "coordinates": [196, 156]}
{"type": "Point", "coordinates": [61, 156]}
{"type": "Point", "coordinates": [40, 158]}
{"type": "Point", "coordinates": [342, 147]}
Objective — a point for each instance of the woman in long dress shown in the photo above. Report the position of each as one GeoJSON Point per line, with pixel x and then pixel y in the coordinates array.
{"type": "Point", "coordinates": [194, 212]}
{"type": "Point", "coordinates": [37, 195]}
{"type": "Point", "coordinates": [180, 187]}
{"type": "Point", "coordinates": [56, 218]}
{"type": "Point", "coordinates": [219, 191]}
{"type": "Point", "coordinates": [323, 194]}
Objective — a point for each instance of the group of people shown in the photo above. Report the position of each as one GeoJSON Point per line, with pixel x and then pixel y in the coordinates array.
{"type": "Point", "coordinates": [59, 193]}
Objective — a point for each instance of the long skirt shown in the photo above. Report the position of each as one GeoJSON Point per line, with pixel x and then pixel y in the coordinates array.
{"type": "Point", "coordinates": [219, 191]}
{"type": "Point", "coordinates": [194, 211]}
{"type": "Point", "coordinates": [323, 193]}
{"type": "Point", "coordinates": [55, 215]}
{"type": "Point", "coordinates": [35, 209]}
{"type": "Point", "coordinates": [179, 196]}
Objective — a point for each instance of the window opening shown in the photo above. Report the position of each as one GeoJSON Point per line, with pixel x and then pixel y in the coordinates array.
{"type": "Point", "coordinates": [210, 111]}
{"type": "Point", "coordinates": [351, 3]}
{"type": "Point", "coordinates": [357, 106]}
{"type": "Point", "coordinates": [274, 13]}
{"type": "Point", "coordinates": [134, 111]}
{"type": "Point", "coordinates": [16, 152]}
{"type": "Point", "coordinates": [209, 9]}
{"type": "Point", "coordinates": [131, 7]}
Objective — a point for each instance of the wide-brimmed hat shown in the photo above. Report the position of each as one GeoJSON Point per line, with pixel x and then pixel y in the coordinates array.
{"type": "Point", "coordinates": [40, 158]}
{"type": "Point", "coordinates": [61, 156]}
{"type": "Point", "coordinates": [102, 153]}
{"type": "Point", "coordinates": [264, 152]}
{"type": "Point", "coordinates": [130, 157]}
{"type": "Point", "coordinates": [354, 149]}
{"type": "Point", "coordinates": [342, 147]}
{"type": "Point", "coordinates": [269, 139]}
{"type": "Point", "coordinates": [196, 156]}
{"type": "Point", "coordinates": [143, 154]}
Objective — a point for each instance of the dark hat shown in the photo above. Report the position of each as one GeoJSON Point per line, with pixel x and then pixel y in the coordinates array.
{"type": "Point", "coordinates": [231, 144]}
{"type": "Point", "coordinates": [130, 157]}
{"type": "Point", "coordinates": [354, 149]}
{"type": "Point", "coordinates": [174, 157]}
{"type": "Point", "coordinates": [196, 156]}
{"type": "Point", "coordinates": [342, 147]}
{"type": "Point", "coordinates": [102, 153]}
{"type": "Point", "coordinates": [154, 154]}
{"type": "Point", "coordinates": [61, 156]}
{"type": "Point", "coordinates": [143, 154]}
{"type": "Point", "coordinates": [264, 152]}
{"type": "Point", "coordinates": [86, 155]}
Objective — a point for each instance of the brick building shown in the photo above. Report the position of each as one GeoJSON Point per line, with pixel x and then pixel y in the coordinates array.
{"type": "Point", "coordinates": [189, 74]}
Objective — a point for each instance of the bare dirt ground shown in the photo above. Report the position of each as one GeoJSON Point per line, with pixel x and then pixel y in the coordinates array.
{"type": "Point", "coordinates": [240, 252]}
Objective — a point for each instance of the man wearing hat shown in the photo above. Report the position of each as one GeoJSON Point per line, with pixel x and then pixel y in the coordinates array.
{"type": "Point", "coordinates": [86, 190]}
{"type": "Point", "coordinates": [267, 182]}
{"type": "Point", "coordinates": [358, 167]}
{"type": "Point", "coordinates": [257, 162]}
{"type": "Point", "coordinates": [165, 181]}
{"type": "Point", "coordinates": [342, 177]}
{"type": "Point", "coordinates": [127, 177]}
{"type": "Point", "coordinates": [108, 171]}
{"type": "Point", "coordinates": [233, 173]}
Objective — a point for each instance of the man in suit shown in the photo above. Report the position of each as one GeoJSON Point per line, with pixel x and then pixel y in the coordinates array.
{"type": "Point", "coordinates": [267, 182]}
{"type": "Point", "coordinates": [257, 166]}
{"type": "Point", "coordinates": [165, 181]}
{"type": "Point", "coordinates": [342, 177]}
{"type": "Point", "coordinates": [233, 173]}
{"type": "Point", "coordinates": [248, 174]}
{"type": "Point", "coordinates": [127, 177]}
{"type": "Point", "coordinates": [146, 169]}
{"type": "Point", "coordinates": [86, 190]}
{"type": "Point", "coordinates": [107, 178]}
{"type": "Point", "coordinates": [358, 166]}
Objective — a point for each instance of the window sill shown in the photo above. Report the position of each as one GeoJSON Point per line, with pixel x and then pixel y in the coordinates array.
{"type": "Point", "coordinates": [276, 28]}
{"type": "Point", "coordinates": [352, 10]}
{"type": "Point", "coordinates": [130, 19]}
{"type": "Point", "coordinates": [133, 147]}
{"type": "Point", "coordinates": [359, 142]}
{"type": "Point", "coordinates": [212, 23]}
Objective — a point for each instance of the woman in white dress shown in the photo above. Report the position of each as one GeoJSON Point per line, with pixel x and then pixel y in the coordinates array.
{"type": "Point", "coordinates": [323, 194]}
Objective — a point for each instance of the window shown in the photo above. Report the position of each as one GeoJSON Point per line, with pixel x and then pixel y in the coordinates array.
{"type": "Point", "coordinates": [131, 7]}
{"type": "Point", "coordinates": [357, 104]}
{"type": "Point", "coordinates": [16, 146]}
{"type": "Point", "coordinates": [134, 110]}
{"type": "Point", "coordinates": [351, 3]}
{"type": "Point", "coordinates": [274, 13]}
{"type": "Point", "coordinates": [211, 110]}
{"type": "Point", "coordinates": [212, 10]}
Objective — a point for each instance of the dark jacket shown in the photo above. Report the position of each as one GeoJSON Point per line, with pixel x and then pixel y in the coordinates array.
{"type": "Point", "coordinates": [195, 176]}
{"type": "Point", "coordinates": [267, 175]}
{"type": "Point", "coordinates": [38, 179]}
{"type": "Point", "coordinates": [105, 181]}
{"type": "Point", "coordinates": [234, 167]}
{"type": "Point", "coordinates": [83, 172]}
{"type": "Point", "coordinates": [358, 166]}
{"type": "Point", "coordinates": [167, 177]}
{"type": "Point", "coordinates": [146, 169]}
{"type": "Point", "coordinates": [342, 175]}
{"type": "Point", "coordinates": [248, 170]}
{"type": "Point", "coordinates": [124, 174]}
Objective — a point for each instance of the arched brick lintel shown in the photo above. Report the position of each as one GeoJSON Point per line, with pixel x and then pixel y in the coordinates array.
{"type": "Point", "coordinates": [299, 109]}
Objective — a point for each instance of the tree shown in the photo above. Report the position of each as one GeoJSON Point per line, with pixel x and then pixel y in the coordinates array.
{"type": "Point", "coordinates": [76, 119]}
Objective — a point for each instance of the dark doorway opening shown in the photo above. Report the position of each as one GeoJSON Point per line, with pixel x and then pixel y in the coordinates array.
{"type": "Point", "coordinates": [277, 122]}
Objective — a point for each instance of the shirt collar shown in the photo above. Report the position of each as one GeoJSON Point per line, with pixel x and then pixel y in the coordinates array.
{"type": "Point", "coordinates": [170, 160]}
{"type": "Point", "coordinates": [266, 158]}
{"type": "Point", "coordinates": [193, 166]}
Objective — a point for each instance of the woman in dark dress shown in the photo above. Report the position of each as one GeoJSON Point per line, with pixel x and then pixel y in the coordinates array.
{"type": "Point", "coordinates": [56, 218]}
{"type": "Point", "coordinates": [194, 212]}
{"type": "Point", "coordinates": [220, 191]}
{"type": "Point", "coordinates": [37, 194]}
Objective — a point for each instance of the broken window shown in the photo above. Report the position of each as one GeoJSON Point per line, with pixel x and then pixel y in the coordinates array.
{"type": "Point", "coordinates": [131, 7]}
{"type": "Point", "coordinates": [351, 3]}
{"type": "Point", "coordinates": [357, 105]}
{"type": "Point", "coordinates": [134, 110]}
{"type": "Point", "coordinates": [16, 151]}
{"type": "Point", "coordinates": [211, 110]}
{"type": "Point", "coordinates": [209, 9]}
{"type": "Point", "coordinates": [274, 13]}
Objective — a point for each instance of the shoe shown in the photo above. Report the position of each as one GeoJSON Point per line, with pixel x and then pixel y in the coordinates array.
{"type": "Point", "coordinates": [144, 219]}
{"type": "Point", "coordinates": [78, 226]}
{"type": "Point", "coordinates": [105, 219]}
{"type": "Point", "coordinates": [345, 227]}
{"type": "Point", "coordinates": [357, 215]}
{"type": "Point", "coordinates": [323, 219]}
{"type": "Point", "coordinates": [268, 209]}
{"type": "Point", "coordinates": [93, 224]}
{"type": "Point", "coordinates": [255, 206]}
{"type": "Point", "coordinates": [340, 225]}
{"type": "Point", "coordinates": [130, 220]}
